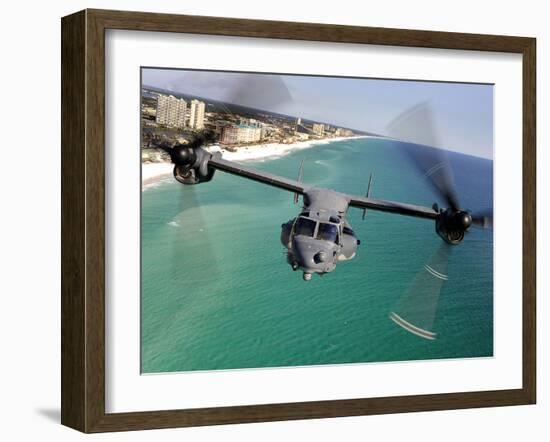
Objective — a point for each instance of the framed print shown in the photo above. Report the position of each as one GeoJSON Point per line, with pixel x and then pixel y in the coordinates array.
{"type": "Point", "coordinates": [268, 221]}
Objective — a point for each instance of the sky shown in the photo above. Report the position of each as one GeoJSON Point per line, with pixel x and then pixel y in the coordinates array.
{"type": "Point", "coordinates": [460, 114]}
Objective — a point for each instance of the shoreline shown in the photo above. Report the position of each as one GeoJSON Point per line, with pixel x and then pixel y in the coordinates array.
{"type": "Point", "coordinates": [154, 172]}
{"type": "Point", "coordinates": [258, 152]}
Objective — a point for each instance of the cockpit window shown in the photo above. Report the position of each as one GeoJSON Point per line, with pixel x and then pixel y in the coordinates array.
{"type": "Point", "coordinates": [305, 227]}
{"type": "Point", "coordinates": [328, 232]}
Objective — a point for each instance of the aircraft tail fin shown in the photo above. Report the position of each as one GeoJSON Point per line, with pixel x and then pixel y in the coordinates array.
{"type": "Point", "coordinates": [300, 178]}
{"type": "Point", "coordinates": [369, 191]}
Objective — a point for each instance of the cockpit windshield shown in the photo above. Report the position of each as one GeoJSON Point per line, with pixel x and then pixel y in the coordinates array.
{"type": "Point", "coordinates": [304, 226]}
{"type": "Point", "coordinates": [328, 232]}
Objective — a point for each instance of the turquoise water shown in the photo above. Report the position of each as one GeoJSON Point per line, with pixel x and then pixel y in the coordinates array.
{"type": "Point", "coordinates": [217, 292]}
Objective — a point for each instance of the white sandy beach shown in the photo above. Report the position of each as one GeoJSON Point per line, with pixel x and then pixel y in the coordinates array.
{"type": "Point", "coordinates": [151, 172]}
{"type": "Point", "coordinates": [272, 150]}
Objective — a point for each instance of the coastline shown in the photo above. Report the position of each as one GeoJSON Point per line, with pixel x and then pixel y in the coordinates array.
{"type": "Point", "coordinates": [153, 172]}
{"type": "Point", "coordinates": [258, 152]}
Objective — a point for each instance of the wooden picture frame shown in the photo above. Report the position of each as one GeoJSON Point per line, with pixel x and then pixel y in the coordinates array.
{"type": "Point", "coordinates": [83, 220]}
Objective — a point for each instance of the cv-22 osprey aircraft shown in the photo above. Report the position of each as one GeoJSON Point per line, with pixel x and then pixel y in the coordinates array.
{"type": "Point", "coordinates": [320, 236]}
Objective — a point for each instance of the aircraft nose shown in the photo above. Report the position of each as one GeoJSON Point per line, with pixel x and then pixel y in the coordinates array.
{"type": "Point", "coordinates": [304, 251]}
{"type": "Point", "coordinates": [320, 257]}
{"type": "Point", "coordinates": [311, 255]}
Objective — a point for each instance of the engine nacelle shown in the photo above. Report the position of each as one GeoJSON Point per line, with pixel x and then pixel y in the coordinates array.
{"type": "Point", "coordinates": [191, 164]}
{"type": "Point", "coordinates": [451, 225]}
{"type": "Point", "coordinates": [349, 244]}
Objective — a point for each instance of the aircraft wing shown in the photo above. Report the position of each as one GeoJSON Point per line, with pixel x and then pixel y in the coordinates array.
{"type": "Point", "coordinates": [299, 188]}
{"type": "Point", "coordinates": [392, 207]}
{"type": "Point", "coordinates": [257, 175]}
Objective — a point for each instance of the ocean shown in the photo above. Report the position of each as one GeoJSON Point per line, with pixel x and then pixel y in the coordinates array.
{"type": "Point", "coordinates": [217, 292]}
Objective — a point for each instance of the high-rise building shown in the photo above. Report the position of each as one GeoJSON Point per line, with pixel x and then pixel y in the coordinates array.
{"type": "Point", "coordinates": [196, 114]}
{"type": "Point", "coordinates": [171, 111]}
{"type": "Point", "coordinates": [318, 129]}
{"type": "Point", "coordinates": [297, 124]}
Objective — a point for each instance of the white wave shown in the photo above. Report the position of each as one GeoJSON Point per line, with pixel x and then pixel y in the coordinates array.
{"type": "Point", "coordinates": [155, 184]}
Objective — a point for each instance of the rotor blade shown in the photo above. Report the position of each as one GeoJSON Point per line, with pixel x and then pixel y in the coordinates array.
{"type": "Point", "coordinates": [164, 146]}
{"type": "Point", "coordinates": [417, 126]}
{"type": "Point", "coordinates": [260, 91]}
{"type": "Point", "coordinates": [416, 310]}
{"type": "Point", "coordinates": [483, 219]}
{"type": "Point", "coordinates": [186, 201]}
{"type": "Point", "coordinates": [188, 223]}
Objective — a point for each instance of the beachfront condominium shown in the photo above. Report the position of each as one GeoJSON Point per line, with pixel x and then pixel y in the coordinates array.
{"type": "Point", "coordinates": [171, 111]}
{"type": "Point", "coordinates": [318, 129]}
{"type": "Point", "coordinates": [340, 132]}
{"type": "Point", "coordinates": [241, 133]}
{"type": "Point", "coordinates": [196, 114]}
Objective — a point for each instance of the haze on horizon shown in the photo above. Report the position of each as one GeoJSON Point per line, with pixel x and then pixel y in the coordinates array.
{"type": "Point", "coordinates": [462, 113]}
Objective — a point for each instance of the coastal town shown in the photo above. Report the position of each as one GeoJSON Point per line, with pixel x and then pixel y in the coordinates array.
{"type": "Point", "coordinates": [241, 132]}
